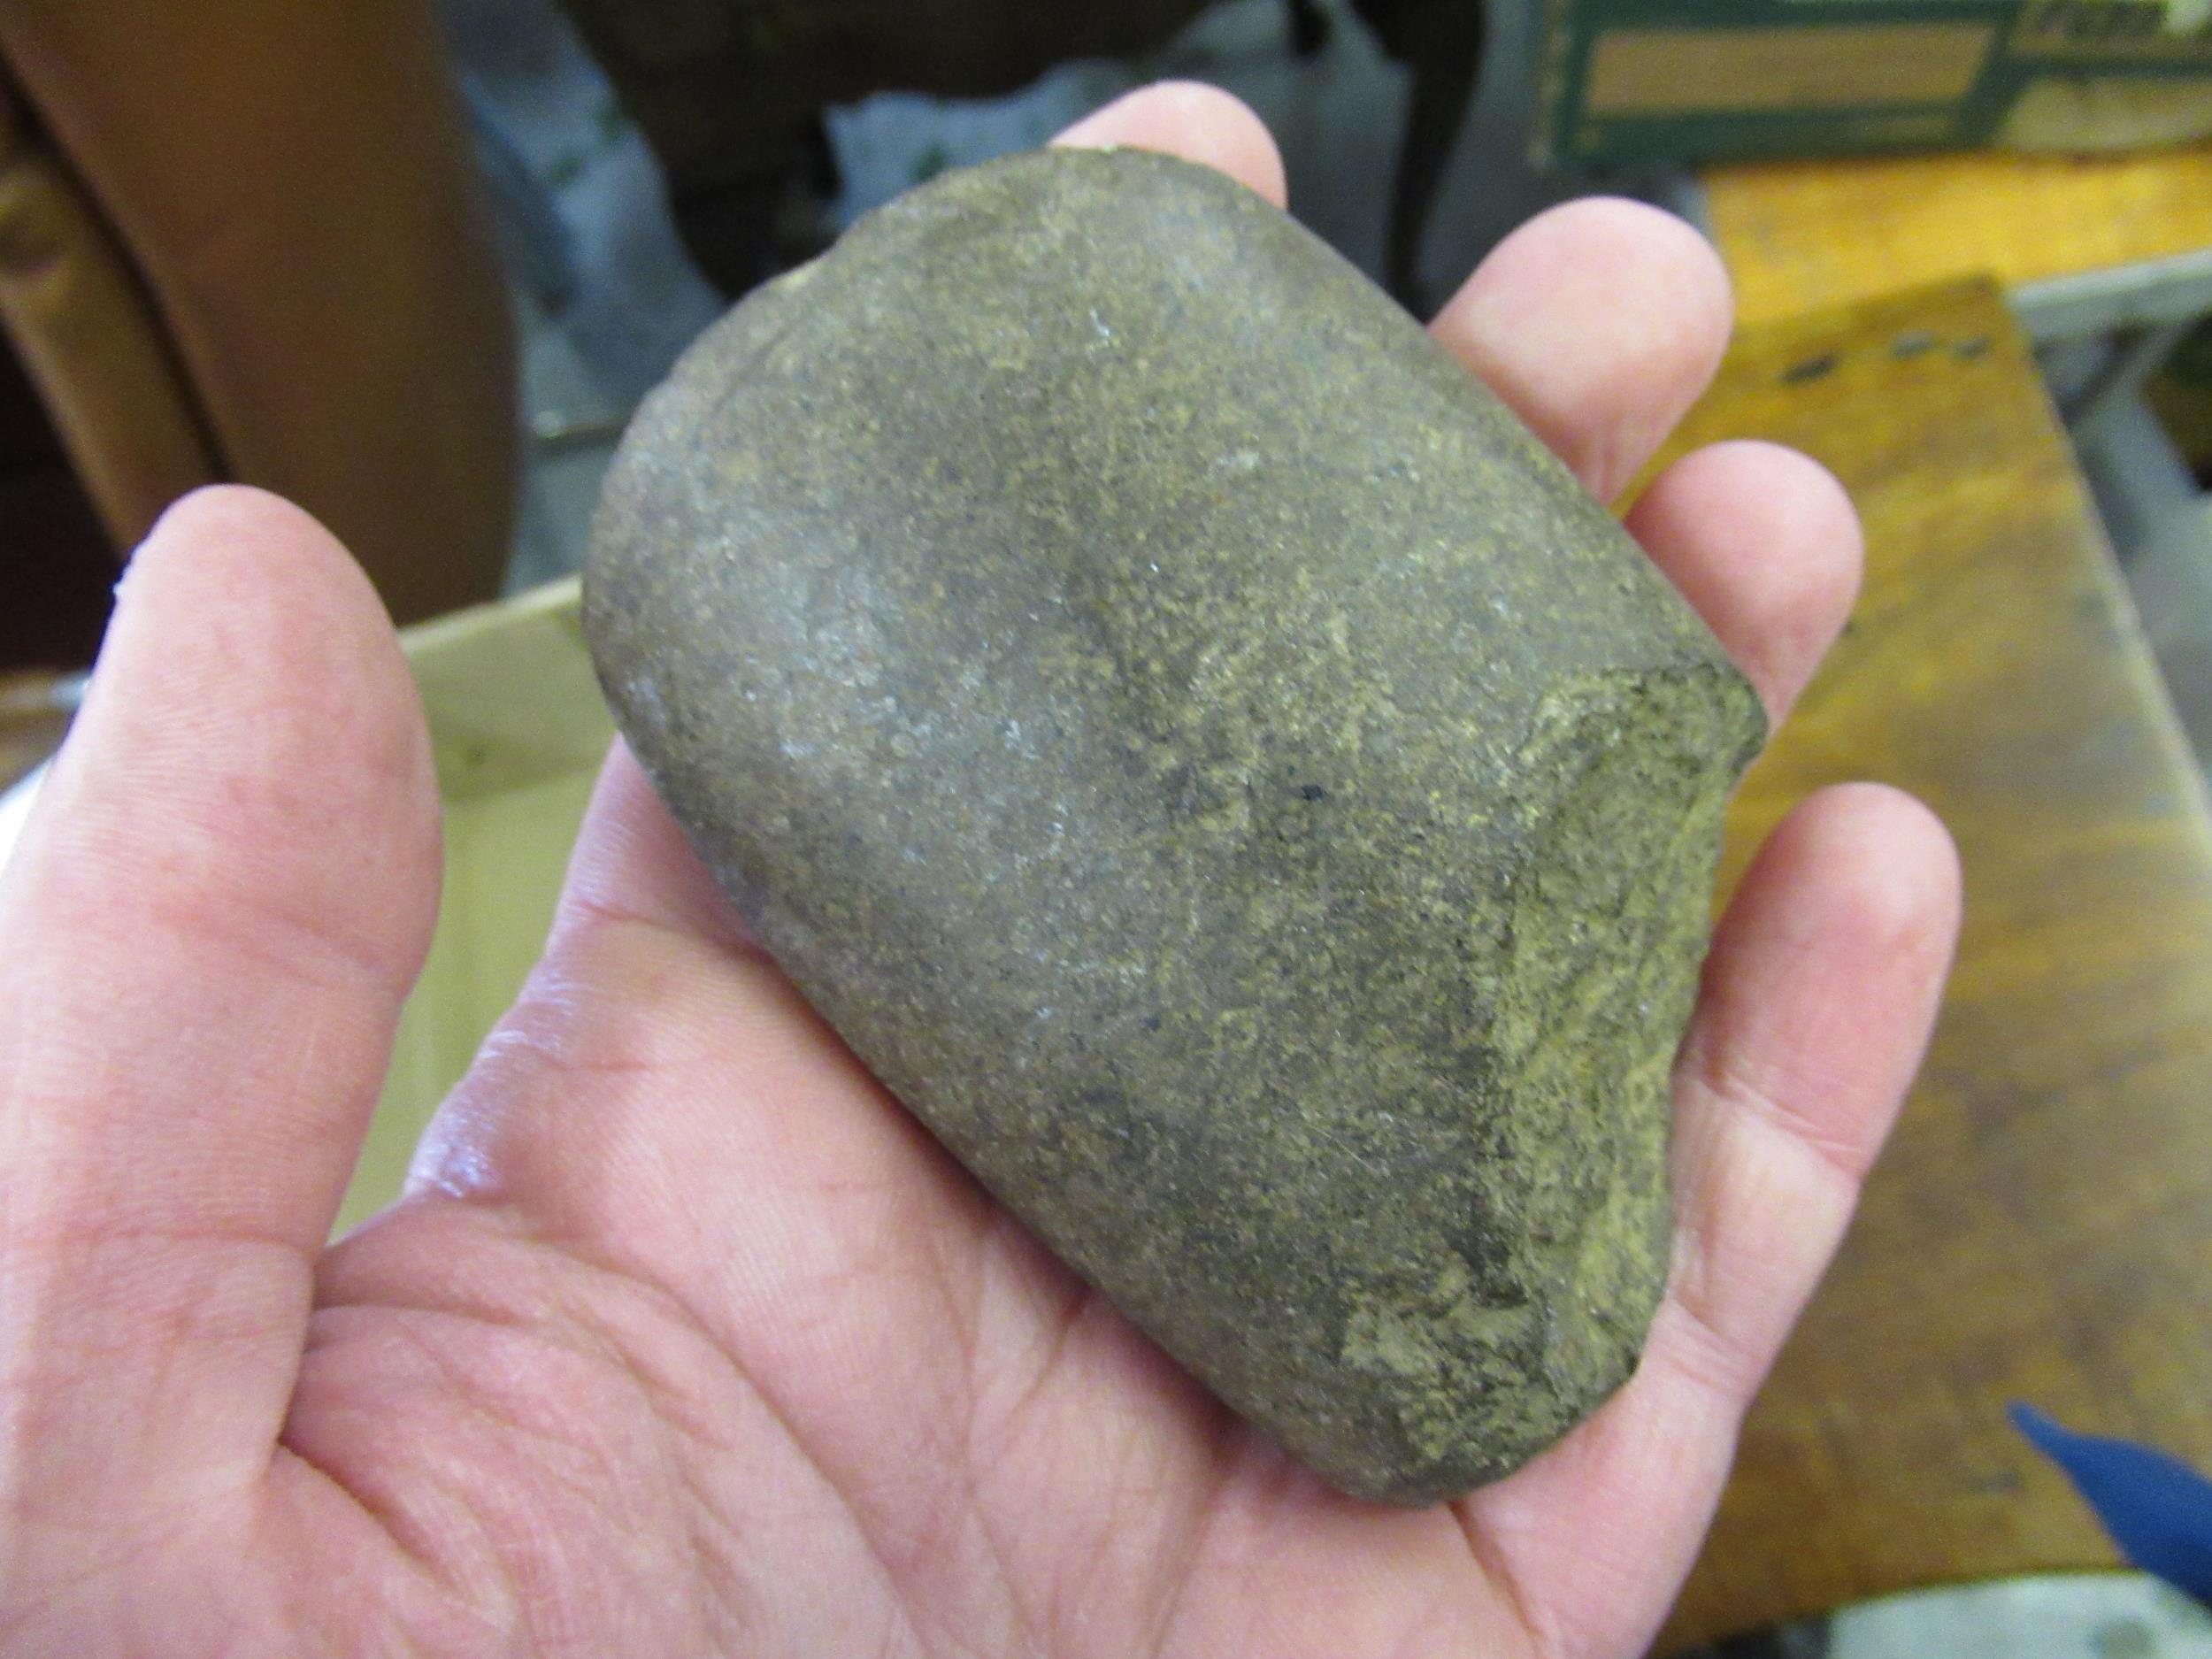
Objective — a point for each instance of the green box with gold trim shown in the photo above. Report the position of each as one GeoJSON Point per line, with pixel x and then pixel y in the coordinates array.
{"type": "Point", "coordinates": [1628, 82]}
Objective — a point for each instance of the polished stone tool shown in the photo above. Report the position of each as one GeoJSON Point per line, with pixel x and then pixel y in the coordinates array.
{"type": "Point", "coordinates": [1215, 767]}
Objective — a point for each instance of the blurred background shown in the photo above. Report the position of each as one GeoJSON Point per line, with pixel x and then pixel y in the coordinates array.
{"type": "Point", "coordinates": [414, 264]}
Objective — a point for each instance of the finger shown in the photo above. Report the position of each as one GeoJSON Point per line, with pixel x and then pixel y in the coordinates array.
{"type": "Point", "coordinates": [631, 861]}
{"type": "Point", "coordinates": [205, 934]}
{"type": "Point", "coordinates": [1599, 323]}
{"type": "Point", "coordinates": [1819, 992]}
{"type": "Point", "coordinates": [1186, 118]}
{"type": "Point", "coordinates": [1764, 542]}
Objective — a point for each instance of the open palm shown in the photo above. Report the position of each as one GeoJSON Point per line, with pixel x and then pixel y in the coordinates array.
{"type": "Point", "coordinates": [686, 1338]}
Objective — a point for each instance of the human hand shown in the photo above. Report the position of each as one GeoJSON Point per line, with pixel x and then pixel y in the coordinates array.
{"type": "Point", "coordinates": [686, 1338]}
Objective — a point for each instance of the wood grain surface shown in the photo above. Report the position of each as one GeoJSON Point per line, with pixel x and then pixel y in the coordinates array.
{"type": "Point", "coordinates": [2041, 1228]}
{"type": "Point", "coordinates": [1804, 235]}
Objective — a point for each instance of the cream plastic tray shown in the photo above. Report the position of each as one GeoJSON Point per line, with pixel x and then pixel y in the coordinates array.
{"type": "Point", "coordinates": [518, 729]}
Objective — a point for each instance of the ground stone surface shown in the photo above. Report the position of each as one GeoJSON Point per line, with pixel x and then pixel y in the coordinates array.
{"type": "Point", "coordinates": [1215, 768]}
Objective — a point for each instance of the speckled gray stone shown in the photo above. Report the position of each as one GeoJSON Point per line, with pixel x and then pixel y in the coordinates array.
{"type": "Point", "coordinates": [1213, 764]}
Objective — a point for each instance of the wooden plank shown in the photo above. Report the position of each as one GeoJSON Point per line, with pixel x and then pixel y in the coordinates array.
{"type": "Point", "coordinates": [2041, 1228]}
{"type": "Point", "coordinates": [1800, 235]}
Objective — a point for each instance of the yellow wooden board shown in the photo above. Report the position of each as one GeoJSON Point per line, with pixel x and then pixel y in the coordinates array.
{"type": "Point", "coordinates": [2041, 1225]}
{"type": "Point", "coordinates": [1800, 235]}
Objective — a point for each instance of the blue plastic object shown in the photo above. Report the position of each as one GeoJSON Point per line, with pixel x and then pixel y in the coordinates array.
{"type": "Point", "coordinates": [2157, 1507]}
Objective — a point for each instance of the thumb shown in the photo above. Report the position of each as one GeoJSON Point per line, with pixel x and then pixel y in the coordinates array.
{"type": "Point", "coordinates": [222, 896]}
